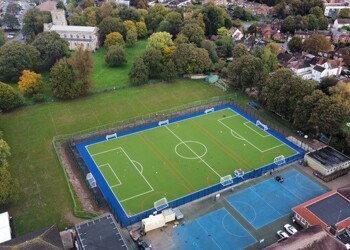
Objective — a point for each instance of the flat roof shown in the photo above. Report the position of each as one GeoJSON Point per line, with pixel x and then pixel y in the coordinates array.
{"type": "Point", "coordinates": [331, 210]}
{"type": "Point", "coordinates": [72, 28]}
{"type": "Point", "coordinates": [100, 233]}
{"type": "Point", "coordinates": [329, 157]}
{"type": "Point", "coordinates": [5, 229]}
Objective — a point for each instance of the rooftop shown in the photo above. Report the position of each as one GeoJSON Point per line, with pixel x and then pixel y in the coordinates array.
{"type": "Point", "coordinates": [343, 21]}
{"type": "Point", "coordinates": [319, 68]}
{"type": "Point", "coordinates": [72, 28]}
{"type": "Point", "coordinates": [329, 157]}
{"type": "Point", "coordinates": [47, 6]}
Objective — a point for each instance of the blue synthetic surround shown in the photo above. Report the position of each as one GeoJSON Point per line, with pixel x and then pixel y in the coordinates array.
{"type": "Point", "coordinates": [270, 200]}
{"type": "Point", "coordinates": [113, 202]}
{"type": "Point", "coordinates": [216, 230]}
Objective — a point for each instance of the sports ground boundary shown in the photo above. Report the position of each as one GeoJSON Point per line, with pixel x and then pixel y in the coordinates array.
{"type": "Point", "coordinates": [115, 205]}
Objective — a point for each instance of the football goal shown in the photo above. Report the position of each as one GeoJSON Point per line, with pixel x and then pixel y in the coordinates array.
{"type": "Point", "coordinates": [161, 204]}
{"type": "Point", "coordinates": [226, 180]}
{"type": "Point", "coordinates": [280, 160]}
{"type": "Point", "coordinates": [165, 122]}
{"type": "Point", "coordinates": [111, 136]}
{"type": "Point", "coordinates": [261, 125]}
{"type": "Point", "coordinates": [209, 111]}
{"type": "Point", "coordinates": [239, 173]}
{"type": "Point", "coordinates": [91, 179]}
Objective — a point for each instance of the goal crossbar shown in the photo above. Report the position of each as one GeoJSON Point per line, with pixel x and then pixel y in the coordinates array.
{"type": "Point", "coordinates": [111, 136]}
{"type": "Point", "coordinates": [280, 160]}
{"type": "Point", "coordinates": [262, 125]}
{"type": "Point", "coordinates": [209, 111]}
{"type": "Point", "coordinates": [226, 180]}
{"type": "Point", "coordinates": [165, 122]}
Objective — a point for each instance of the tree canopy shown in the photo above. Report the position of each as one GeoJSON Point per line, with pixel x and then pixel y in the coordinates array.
{"type": "Point", "coordinates": [33, 22]}
{"type": "Point", "coordinates": [9, 98]}
{"type": "Point", "coordinates": [316, 43]}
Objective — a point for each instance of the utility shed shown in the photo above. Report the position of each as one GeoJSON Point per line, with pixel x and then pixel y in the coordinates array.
{"type": "Point", "coordinates": [5, 229]}
{"type": "Point", "coordinates": [153, 222]}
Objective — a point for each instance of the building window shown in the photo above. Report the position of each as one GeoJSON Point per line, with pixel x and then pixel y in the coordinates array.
{"type": "Point", "coordinates": [77, 36]}
{"type": "Point", "coordinates": [303, 221]}
{"type": "Point", "coordinates": [297, 216]}
{"type": "Point", "coordinates": [71, 36]}
{"type": "Point", "coordinates": [84, 36]}
{"type": "Point", "coordinates": [90, 37]}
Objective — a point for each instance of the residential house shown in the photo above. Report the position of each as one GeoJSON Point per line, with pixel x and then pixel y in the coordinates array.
{"type": "Point", "coordinates": [122, 2]}
{"type": "Point", "coordinates": [342, 36]}
{"type": "Point", "coordinates": [339, 23]}
{"type": "Point", "coordinates": [236, 33]}
{"type": "Point", "coordinates": [285, 59]}
{"type": "Point", "coordinates": [306, 34]}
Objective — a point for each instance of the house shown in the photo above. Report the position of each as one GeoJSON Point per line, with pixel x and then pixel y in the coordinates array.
{"type": "Point", "coordinates": [327, 161]}
{"type": "Point", "coordinates": [339, 23]}
{"type": "Point", "coordinates": [285, 59]}
{"type": "Point", "coordinates": [46, 238]}
{"type": "Point", "coordinates": [314, 237]}
{"type": "Point", "coordinates": [236, 33]}
{"type": "Point", "coordinates": [306, 34]}
{"type": "Point", "coordinates": [122, 2]}
{"type": "Point", "coordinates": [331, 211]}
{"type": "Point", "coordinates": [340, 36]}
{"type": "Point", "coordinates": [47, 6]}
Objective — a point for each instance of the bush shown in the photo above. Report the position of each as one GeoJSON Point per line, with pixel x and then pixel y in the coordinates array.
{"type": "Point", "coordinates": [39, 98]}
{"type": "Point", "coordinates": [115, 56]}
{"type": "Point", "coordinates": [9, 99]}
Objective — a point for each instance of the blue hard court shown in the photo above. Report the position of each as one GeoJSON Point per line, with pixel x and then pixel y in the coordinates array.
{"type": "Point", "coordinates": [270, 200]}
{"type": "Point", "coordinates": [216, 230]}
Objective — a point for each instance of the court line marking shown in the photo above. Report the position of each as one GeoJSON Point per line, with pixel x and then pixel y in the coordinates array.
{"type": "Point", "coordinates": [263, 136]}
{"type": "Point", "coordinates": [192, 150]}
{"type": "Point", "coordinates": [116, 176]}
{"type": "Point", "coordinates": [138, 163]}
{"type": "Point", "coordinates": [208, 234]}
{"type": "Point", "coordinates": [243, 138]}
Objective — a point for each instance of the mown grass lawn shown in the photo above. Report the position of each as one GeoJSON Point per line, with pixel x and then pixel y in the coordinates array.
{"type": "Point", "coordinates": [105, 77]}
{"type": "Point", "coordinates": [44, 197]}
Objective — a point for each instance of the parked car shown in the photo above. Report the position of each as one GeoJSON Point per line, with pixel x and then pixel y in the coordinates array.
{"type": "Point", "coordinates": [143, 245]}
{"type": "Point", "coordinates": [282, 234]}
{"type": "Point", "coordinates": [290, 229]}
{"type": "Point", "coordinates": [279, 179]}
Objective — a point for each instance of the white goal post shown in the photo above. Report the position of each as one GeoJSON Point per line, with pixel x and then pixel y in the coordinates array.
{"type": "Point", "coordinates": [165, 122]}
{"type": "Point", "coordinates": [91, 179]}
{"type": "Point", "coordinates": [111, 136]}
{"type": "Point", "coordinates": [208, 110]}
{"type": "Point", "coordinates": [161, 204]}
{"type": "Point", "coordinates": [226, 180]}
{"type": "Point", "coordinates": [262, 125]}
{"type": "Point", "coordinates": [280, 160]}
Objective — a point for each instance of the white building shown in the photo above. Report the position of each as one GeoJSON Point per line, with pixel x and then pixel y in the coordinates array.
{"type": "Point", "coordinates": [5, 229]}
{"type": "Point", "coordinates": [59, 17]}
{"type": "Point", "coordinates": [122, 2]}
{"type": "Point", "coordinates": [236, 34]}
{"type": "Point", "coordinates": [339, 23]}
{"type": "Point", "coordinates": [77, 36]}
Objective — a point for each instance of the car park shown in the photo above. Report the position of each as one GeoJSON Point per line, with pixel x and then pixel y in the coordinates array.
{"type": "Point", "coordinates": [282, 234]}
{"type": "Point", "coordinates": [279, 179]}
{"type": "Point", "coordinates": [290, 229]}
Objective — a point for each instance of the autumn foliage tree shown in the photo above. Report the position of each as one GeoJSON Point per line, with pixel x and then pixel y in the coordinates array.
{"type": "Point", "coordinates": [114, 38]}
{"type": "Point", "coordinates": [30, 83]}
{"type": "Point", "coordinates": [316, 43]}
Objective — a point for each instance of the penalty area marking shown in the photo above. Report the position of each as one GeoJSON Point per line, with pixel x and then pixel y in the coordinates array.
{"type": "Point", "coordinates": [263, 136]}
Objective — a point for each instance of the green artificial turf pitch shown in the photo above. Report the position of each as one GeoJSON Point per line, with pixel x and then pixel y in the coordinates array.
{"type": "Point", "coordinates": [184, 157]}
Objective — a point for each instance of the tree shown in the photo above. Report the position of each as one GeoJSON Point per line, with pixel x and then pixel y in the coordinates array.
{"type": "Point", "coordinates": [317, 11]}
{"type": "Point", "coordinates": [312, 22]}
{"type": "Point", "coordinates": [88, 3]}
{"type": "Point", "coordinates": [155, 15]}
{"type": "Point", "coordinates": [139, 72]}
{"type": "Point", "coordinates": [10, 20]}
{"type": "Point", "coordinates": [109, 25]}
{"type": "Point", "coordinates": [288, 24]}
{"type": "Point", "coordinates": [193, 32]}
{"type": "Point", "coordinates": [180, 39]}
{"type": "Point", "coordinates": [33, 22]}
{"type": "Point", "coordinates": [269, 57]}
{"type": "Point", "coordinates": [246, 72]}
{"type": "Point", "coordinates": [346, 56]}
{"type": "Point", "coordinates": [152, 58]}
{"type": "Point", "coordinates": [341, 91]}
{"type": "Point", "coordinates": [115, 56]}
{"type": "Point", "coordinates": [106, 9]}
{"type": "Point", "coordinates": [131, 37]}
{"type": "Point", "coordinates": [114, 38]}
{"type": "Point", "coordinates": [326, 83]}
{"type": "Point", "coordinates": [169, 71]}
{"type": "Point", "coordinates": [224, 46]}
{"type": "Point", "coordinates": [215, 17]}
{"type": "Point", "coordinates": [163, 26]}
{"type": "Point", "coordinates": [211, 48]}
{"type": "Point", "coordinates": [252, 29]}
{"type": "Point", "coordinates": [129, 13]}
{"type": "Point", "coordinates": [14, 58]}
{"type": "Point", "coordinates": [295, 44]}
{"type": "Point", "coordinates": [239, 50]}
{"type": "Point", "coordinates": [60, 5]}
{"type": "Point", "coordinates": [160, 40]}
{"type": "Point", "coordinates": [90, 19]}
{"type": "Point", "coordinates": [222, 32]}
{"type": "Point", "coordinates": [83, 64]}
{"type": "Point", "coordinates": [323, 23]}
{"type": "Point", "coordinates": [75, 19]}
{"type": "Point", "coordinates": [191, 60]}
{"type": "Point", "coordinates": [141, 29]}
{"type": "Point", "coordinates": [344, 13]}
{"type": "Point", "coordinates": [129, 25]}
{"type": "Point", "coordinates": [63, 80]}
{"type": "Point", "coordinates": [9, 98]}
{"type": "Point", "coordinates": [30, 83]}
{"type": "Point", "coordinates": [51, 48]}
{"type": "Point", "coordinates": [141, 4]}
{"type": "Point", "coordinates": [2, 37]}
{"type": "Point", "coordinates": [316, 43]}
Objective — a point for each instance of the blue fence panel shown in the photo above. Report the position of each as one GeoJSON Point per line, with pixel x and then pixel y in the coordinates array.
{"type": "Point", "coordinates": [117, 208]}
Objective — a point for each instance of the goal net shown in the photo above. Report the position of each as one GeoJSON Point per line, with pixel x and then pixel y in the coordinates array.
{"type": "Point", "coordinates": [261, 125]}
{"type": "Point", "coordinates": [91, 179]}
{"type": "Point", "coordinates": [161, 204]}
{"type": "Point", "coordinates": [280, 160]}
{"type": "Point", "coordinates": [226, 180]}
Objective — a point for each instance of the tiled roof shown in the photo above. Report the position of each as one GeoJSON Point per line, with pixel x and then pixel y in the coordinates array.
{"type": "Point", "coordinates": [47, 6]}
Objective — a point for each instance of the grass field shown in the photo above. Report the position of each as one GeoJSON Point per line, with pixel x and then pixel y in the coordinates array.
{"type": "Point", "coordinates": [184, 157]}
{"type": "Point", "coordinates": [44, 198]}
{"type": "Point", "coordinates": [105, 77]}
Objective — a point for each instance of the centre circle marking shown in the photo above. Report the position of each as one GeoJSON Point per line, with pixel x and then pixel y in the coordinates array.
{"type": "Point", "coordinates": [195, 157]}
